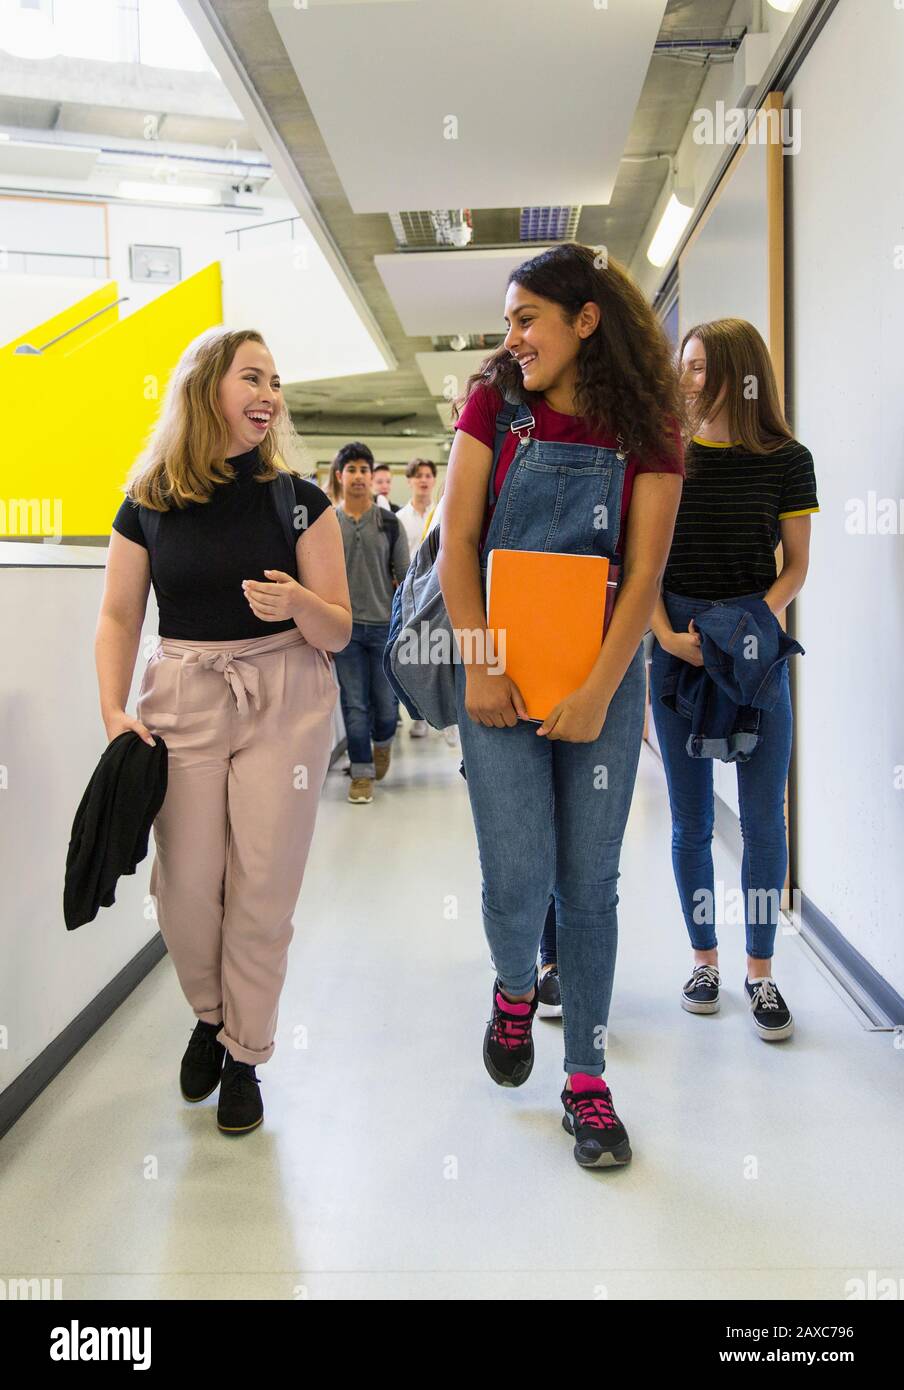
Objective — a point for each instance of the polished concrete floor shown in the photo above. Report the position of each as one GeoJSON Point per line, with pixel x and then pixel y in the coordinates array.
{"type": "Point", "coordinates": [390, 1166]}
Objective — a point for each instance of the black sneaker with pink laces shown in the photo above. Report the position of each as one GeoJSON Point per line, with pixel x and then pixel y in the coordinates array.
{"type": "Point", "coordinates": [508, 1048]}
{"type": "Point", "coordinates": [601, 1140]}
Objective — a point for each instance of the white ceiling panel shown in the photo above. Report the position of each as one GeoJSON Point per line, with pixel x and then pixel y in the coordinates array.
{"type": "Point", "coordinates": [439, 293]}
{"type": "Point", "coordinates": [290, 294]}
{"type": "Point", "coordinates": [446, 372]}
{"type": "Point", "coordinates": [35, 158]}
{"type": "Point", "coordinates": [460, 103]}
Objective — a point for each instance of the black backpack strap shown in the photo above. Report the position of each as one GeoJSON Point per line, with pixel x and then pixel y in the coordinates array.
{"type": "Point", "coordinates": [514, 415]}
{"type": "Point", "coordinates": [284, 502]}
{"type": "Point", "coordinates": [388, 525]}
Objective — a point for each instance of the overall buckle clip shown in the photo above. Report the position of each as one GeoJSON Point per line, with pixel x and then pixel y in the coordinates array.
{"type": "Point", "coordinates": [526, 425]}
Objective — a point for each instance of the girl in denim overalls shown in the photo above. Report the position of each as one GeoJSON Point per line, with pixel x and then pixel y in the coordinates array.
{"type": "Point", "coordinates": [550, 801]}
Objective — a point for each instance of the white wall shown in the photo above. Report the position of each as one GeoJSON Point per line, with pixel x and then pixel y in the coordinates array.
{"type": "Point", "coordinates": [27, 300]}
{"type": "Point", "coordinates": [35, 224]}
{"type": "Point", "coordinates": [36, 287]}
{"type": "Point", "coordinates": [846, 311]}
{"type": "Point", "coordinates": [288, 291]}
{"type": "Point", "coordinates": [202, 237]}
{"type": "Point", "coordinates": [726, 271]}
{"type": "Point", "coordinates": [51, 737]}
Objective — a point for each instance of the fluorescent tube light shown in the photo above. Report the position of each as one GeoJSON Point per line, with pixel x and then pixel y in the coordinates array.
{"type": "Point", "coordinates": [665, 238]}
{"type": "Point", "coordinates": [169, 193]}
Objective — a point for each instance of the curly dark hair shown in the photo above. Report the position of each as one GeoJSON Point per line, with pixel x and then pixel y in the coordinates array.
{"type": "Point", "coordinates": [627, 378]}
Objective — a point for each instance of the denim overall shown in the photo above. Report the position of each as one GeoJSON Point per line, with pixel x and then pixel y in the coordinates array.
{"type": "Point", "coordinates": [761, 792]}
{"type": "Point", "coordinates": [550, 815]}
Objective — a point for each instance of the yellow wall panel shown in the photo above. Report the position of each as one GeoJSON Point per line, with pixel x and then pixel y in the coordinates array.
{"type": "Point", "coordinates": [81, 414]}
{"type": "Point", "coordinates": [75, 314]}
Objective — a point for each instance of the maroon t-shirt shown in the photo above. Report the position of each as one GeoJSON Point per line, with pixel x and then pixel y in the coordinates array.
{"type": "Point", "coordinates": [478, 418]}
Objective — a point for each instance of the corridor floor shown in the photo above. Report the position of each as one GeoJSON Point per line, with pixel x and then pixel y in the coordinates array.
{"type": "Point", "coordinates": [390, 1166]}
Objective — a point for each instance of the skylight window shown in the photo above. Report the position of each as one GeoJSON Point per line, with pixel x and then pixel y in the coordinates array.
{"type": "Point", "coordinates": [157, 33]}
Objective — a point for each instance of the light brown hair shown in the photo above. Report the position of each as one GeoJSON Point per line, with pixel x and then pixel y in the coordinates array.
{"type": "Point", "coordinates": [185, 455]}
{"type": "Point", "coordinates": [737, 357]}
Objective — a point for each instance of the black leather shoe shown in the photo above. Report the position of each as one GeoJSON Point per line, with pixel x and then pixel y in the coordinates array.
{"type": "Point", "coordinates": [240, 1107]}
{"type": "Point", "coordinates": [202, 1063]}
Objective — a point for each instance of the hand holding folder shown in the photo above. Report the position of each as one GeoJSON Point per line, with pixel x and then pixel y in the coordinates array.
{"type": "Point", "coordinates": [547, 613]}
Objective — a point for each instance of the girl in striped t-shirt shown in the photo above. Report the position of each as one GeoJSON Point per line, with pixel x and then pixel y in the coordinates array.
{"type": "Point", "coordinates": [749, 485]}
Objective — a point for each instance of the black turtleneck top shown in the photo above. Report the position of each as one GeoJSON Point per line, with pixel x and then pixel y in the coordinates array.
{"type": "Point", "coordinates": [206, 549]}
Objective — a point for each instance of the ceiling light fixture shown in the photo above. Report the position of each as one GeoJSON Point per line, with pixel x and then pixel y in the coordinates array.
{"type": "Point", "coordinates": [665, 238]}
{"type": "Point", "coordinates": [169, 193]}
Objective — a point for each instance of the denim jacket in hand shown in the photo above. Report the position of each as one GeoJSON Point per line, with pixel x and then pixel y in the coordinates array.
{"type": "Point", "coordinates": [745, 653]}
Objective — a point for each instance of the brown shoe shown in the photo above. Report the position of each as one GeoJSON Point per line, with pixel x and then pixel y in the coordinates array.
{"type": "Point", "coordinates": [381, 761]}
{"type": "Point", "coordinates": [361, 789]}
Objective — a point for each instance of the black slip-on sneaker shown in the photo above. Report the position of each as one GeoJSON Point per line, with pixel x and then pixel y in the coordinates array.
{"type": "Point", "coordinates": [508, 1048]}
{"type": "Point", "coordinates": [240, 1107]}
{"type": "Point", "coordinates": [202, 1062]}
{"type": "Point", "coordinates": [600, 1138]}
{"type": "Point", "coordinates": [768, 1010]}
{"type": "Point", "coordinates": [700, 994]}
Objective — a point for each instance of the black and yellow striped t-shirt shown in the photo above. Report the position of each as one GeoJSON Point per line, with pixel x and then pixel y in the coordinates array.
{"type": "Point", "coordinates": [727, 526]}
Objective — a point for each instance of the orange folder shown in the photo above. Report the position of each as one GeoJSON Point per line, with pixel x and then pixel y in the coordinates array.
{"type": "Point", "coordinates": [551, 608]}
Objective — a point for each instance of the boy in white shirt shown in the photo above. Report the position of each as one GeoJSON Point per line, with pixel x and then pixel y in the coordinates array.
{"type": "Point", "coordinates": [421, 475]}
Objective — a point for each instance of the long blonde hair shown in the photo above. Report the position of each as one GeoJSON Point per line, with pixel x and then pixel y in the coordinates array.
{"type": "Point", "coordinates": [185, 455]}
{"type": "Point", "coordinates": [737, 356]}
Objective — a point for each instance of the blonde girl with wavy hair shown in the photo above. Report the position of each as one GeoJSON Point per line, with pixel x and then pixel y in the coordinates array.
{"type": "Point", "coordinates": [239, 687]}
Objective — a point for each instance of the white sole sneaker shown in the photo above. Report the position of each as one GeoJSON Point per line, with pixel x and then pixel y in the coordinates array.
{"type": "Point", "coordinates": [773, 1034]}
{"type": "Point", "coordinates": [694, 1007]}
{"type": "Point", "coordinates": [771, 997]}
{"type": "Point", "coordinates": [704, 978]}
